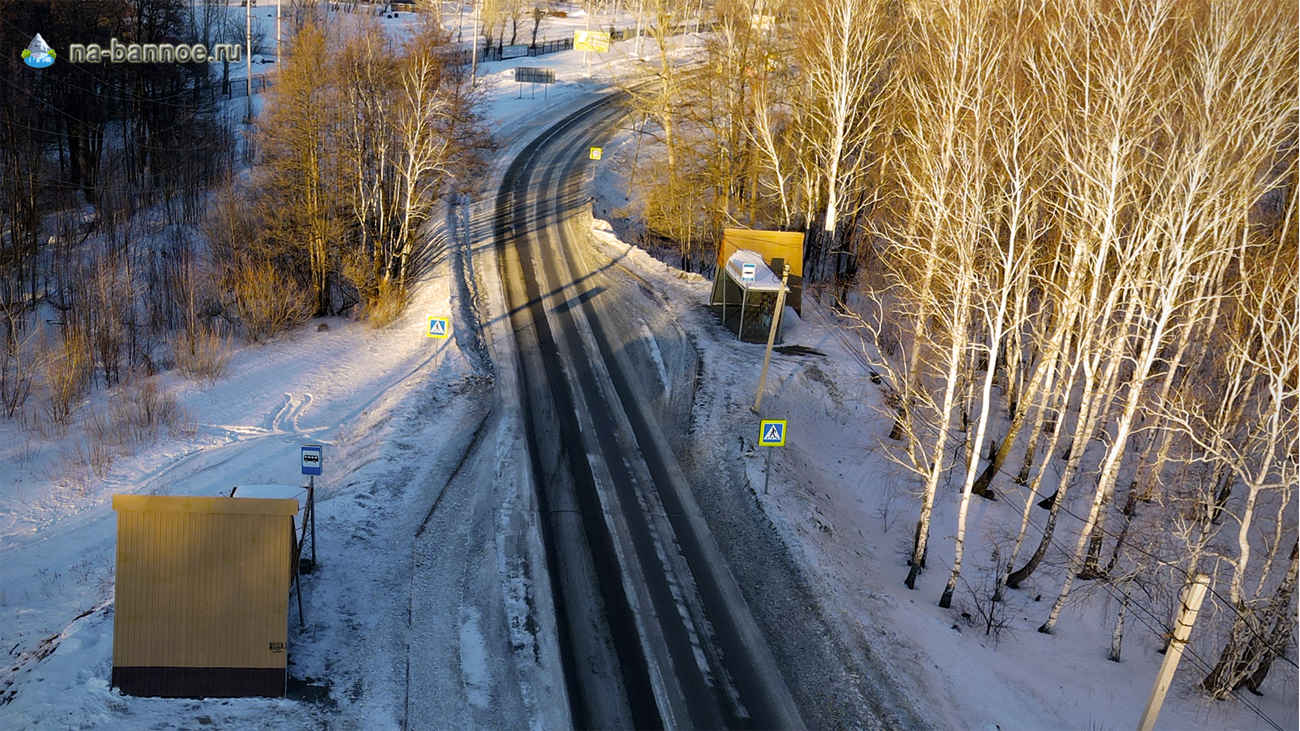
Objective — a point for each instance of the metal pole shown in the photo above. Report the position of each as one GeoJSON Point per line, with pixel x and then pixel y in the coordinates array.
{"type": "Point", "coordinates": [277, 35]}
{"type": "Point", "coordinates": [297, 581]}
{"type": "Point", "coordinates": [744, 299]}
{"type": "Point", "coordinates": [311, 508]}
{"type": "Point", "coordinates": [767, 468]}
{"type": "Point", "coordinates": [1193, 593]}
{"type": "Point", "coordinates": [723, 275]}
{"type": "Point", "coordinates": [248, 60]}
{"type": "Point", "coordinates": [771, 338]}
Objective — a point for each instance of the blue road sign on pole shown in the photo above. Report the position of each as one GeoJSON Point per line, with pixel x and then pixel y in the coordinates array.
{"type": "Point", "coordinates": [313, 458]}
{"type": "Point", "coordinates": [439, 327]}
{"type": "Point", "coordinates": [771, 433]}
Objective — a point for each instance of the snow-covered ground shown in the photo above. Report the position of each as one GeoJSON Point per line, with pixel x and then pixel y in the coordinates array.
{"type": "Point", "coordinates": [848, 512]}
{"type": "Point", "coordinates": [392, 408]}
{"type": "Point", "coordinates": [395, 411]}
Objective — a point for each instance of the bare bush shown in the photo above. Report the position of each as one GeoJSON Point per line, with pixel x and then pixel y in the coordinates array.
{"type": "Point", "coordinates": [201, 352]}
{"type": "Point", "coordinates": [99, 447]}
{"type": "Point", "coordinates": [268, 302]}
{"type": "Point", "coordinates": [67, 369]}
{"type": "Point", "coordinates": [381, 296]}
{"type": "Point", "coordinates": [106, 312]}
{"type": "Point", "coordinates": [986, 596]}
{"type": "Point", "coordinates": [386, 305]}
{"type": "Point", "coordinates": [15, 376]}
{"type": "Point", "coordinates": [138, 417]}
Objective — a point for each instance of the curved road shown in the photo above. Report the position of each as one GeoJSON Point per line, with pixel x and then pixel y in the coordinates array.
{"type": "Point", "coordinates": [655, 632]}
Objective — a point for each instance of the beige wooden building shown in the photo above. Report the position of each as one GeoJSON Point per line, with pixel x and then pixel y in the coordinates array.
{"type": "Point", "coordinates": [202, 596]}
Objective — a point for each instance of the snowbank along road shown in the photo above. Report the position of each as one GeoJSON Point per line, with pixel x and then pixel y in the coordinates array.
{"type": "Point", "coordinates": [654, 630]}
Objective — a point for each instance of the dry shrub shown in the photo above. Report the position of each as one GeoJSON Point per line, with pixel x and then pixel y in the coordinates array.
{"type": "Point", "coordinates": [386, 305]}
{"type": "Point", "coordinates": [67, 370]}
{"type": "Point", "coordinates": [383, 298]}
{"type": "Point", "coordinates": [267, 301]}
{"type": "Point", "coordinates": [109, 301]}
{"type": "Point", "coordinates": [202, 352]}
{"type": "Point", "coordinates": [100, 446]}
{"type": "Point", "coordinates": [138, 417]}
{"type": "Point", "coordinates": [15, 377]}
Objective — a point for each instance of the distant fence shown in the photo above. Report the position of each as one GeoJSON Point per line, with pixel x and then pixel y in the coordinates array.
{"type": "Point", "coordinates": [501, 52]}
{"type": "Point", "coordinates": [261, 82]}
{"type": "Point", "coordinates": [239, 86]}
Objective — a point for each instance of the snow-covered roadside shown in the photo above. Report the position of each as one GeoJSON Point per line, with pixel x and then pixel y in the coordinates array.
{"type": "Point", "coordinates": [846, 512]}
{"type": "Point", "coordinates": [393, 409]}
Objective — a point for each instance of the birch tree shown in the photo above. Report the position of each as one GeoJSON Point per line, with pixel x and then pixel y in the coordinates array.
{"type": "Point", "coordinates": [844, 50]}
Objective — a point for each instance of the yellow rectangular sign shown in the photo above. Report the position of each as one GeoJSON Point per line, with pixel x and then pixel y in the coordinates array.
{"type": "Point", "coordinates": [439, 327]}
{"type": "Point", "coordinates": [591, 40]}
{"type": "Point", "coordinates": [595, 153]}
{"type": "Point", "coordinates": [771, 433]}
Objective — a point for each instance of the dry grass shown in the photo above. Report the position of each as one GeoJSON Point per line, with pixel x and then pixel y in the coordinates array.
{"type": "Point", "coordinates": [202, 352]}
{"type": "Point", "coordinates": [67, 369]}
{"type": "Point", "coordinates": [268, 302]}
{"type": "Point", "coordinates": [15, 377]}
{"type": "Point", "coordinates": [384, 298]}
{"type": "Point", "coordinates": [138, 416]}
{"type": "Point", "coordinates": [386, 305]}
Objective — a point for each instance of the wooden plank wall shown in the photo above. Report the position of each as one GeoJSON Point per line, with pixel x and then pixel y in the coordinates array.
{"type": "Point", "coordinates": [202, 582]}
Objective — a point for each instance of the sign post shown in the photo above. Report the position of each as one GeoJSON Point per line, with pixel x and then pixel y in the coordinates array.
{"type": "Point", "coordinates": [534, 75]}
{"type": "Point", "coordinates": [771, 433]}
{"type": "Point", "coordinates": [313, 459]}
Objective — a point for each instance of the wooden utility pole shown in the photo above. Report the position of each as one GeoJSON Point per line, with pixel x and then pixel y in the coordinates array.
{"type": "Point", "coordinates": [478, 24]}
{"type": "Point", "coordinates": [771, 338]}
{"type": "Point", "coordinates": [248, 61]}
{"type": "Point", "coordinates": [1193, 594]}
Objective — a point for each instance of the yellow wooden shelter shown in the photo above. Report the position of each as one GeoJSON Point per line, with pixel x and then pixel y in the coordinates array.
{"type": "Point", "coordinates": [202, 595]}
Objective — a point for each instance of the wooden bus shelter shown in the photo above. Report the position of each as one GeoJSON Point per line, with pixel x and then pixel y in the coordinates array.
{"type": "Point", "coordinates": [202, 597]}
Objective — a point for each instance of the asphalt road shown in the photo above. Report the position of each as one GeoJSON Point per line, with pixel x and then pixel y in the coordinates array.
{"type": "Point", "coordinates": [655, 630]}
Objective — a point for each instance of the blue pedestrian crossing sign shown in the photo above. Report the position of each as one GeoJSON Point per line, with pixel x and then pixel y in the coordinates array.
{"type": "Point", "coordinates": [313, 458]}
{"type": "Point", "coordinates": [439, 327]}
{"type": "Point", "coordinates": [771, 433]}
